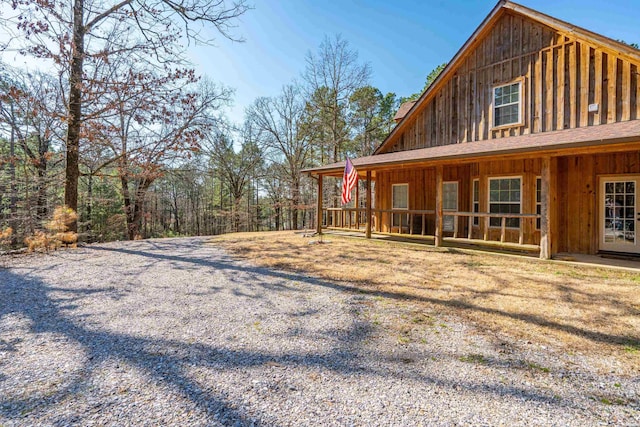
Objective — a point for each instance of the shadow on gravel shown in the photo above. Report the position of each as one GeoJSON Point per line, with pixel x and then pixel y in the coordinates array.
{"type": "Point", "coordinates": [228, 263]}
{"type": "Point", "coordinates": [28, 297]}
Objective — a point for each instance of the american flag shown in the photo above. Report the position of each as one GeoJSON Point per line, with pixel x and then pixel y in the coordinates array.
{"type": "Point", "coordinates": [349, 180]}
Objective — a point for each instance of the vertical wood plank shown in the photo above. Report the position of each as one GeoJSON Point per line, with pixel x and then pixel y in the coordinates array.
{"type": "Point", "coordinates": [573, 95]}
{"type": "Point", "coordinates": [597, 88]}
{"type": "Point", "coordinates": [549, 90]}
{"type": "Point", "coordinates": [584, 85]}
{"type": "Point", "coordinates": [560, 78]}
{"type": "Point", "coordinates": [539, 94]}
{"type": "Point", "coordinates": [625, 99]}
{"type": "Point", "coordinates": [439, 220]}
{"type": "Point", "coordinates": [545, 220]}
{"type": "Point", "coordinates": [368, 206]}
{"type": "Point", "coordinates": [636, 79]}
{"type": "Point", "coordinates": [319, 207]}
{"type": "Point", "coordinates": [612, 74]}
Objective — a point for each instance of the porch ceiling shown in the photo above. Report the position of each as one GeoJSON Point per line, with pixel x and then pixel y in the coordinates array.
{"type": "Point", "coordinates": [557, 143]}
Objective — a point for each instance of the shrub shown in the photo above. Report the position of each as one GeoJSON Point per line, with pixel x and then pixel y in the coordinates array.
{"type": "Point", "coordinates": [58, 235]}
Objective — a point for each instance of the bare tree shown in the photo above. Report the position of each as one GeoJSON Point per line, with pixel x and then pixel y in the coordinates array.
{"type": "Point", "coordinates": [280, 121]}
{"type": "Point", "coordinates": [237, 167]}
{"type": "Point", "coordinates": [30, 111]}
{"type": "Point", "coordinates": [332, 76]}
{"type": "Point", "coordinates": [155, 30]}
{"type": "Point", "coordinates": [157, 119]}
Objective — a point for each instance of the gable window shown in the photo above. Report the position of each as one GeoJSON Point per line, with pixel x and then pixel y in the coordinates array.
{"type": "Point", "coordinates": [507, 104]}
{"type": "Point", "coordinates": [504, 198]}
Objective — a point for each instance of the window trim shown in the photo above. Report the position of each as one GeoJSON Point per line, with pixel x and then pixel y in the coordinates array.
{"type": "Point", "coordinates": [538, 203]}
{"type": "Point", "coordinates": [489, 179]}
{"type": "Point", "coordinates": [455, 221]}
{"type": "Point", "coordinates": [393, 186]}
{"type": "Point", "coordinates": [476, 220]}
{"type": "Point", "coordinates": [520, 81]}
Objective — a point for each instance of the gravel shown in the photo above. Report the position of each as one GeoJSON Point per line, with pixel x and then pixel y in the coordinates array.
{"type": "Point", "coordinates": [178, 332]}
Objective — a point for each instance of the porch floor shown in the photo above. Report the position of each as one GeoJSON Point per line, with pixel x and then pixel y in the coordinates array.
{"type": "Point", "coordinates": [600, 260]}
{"type": "Point", "coordinates": [462, 243]}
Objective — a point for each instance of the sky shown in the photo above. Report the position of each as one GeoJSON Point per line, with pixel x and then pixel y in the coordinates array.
{"type": "Point", "coordinates": [402, 40]}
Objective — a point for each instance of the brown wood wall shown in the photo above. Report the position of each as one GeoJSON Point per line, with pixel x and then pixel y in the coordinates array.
{"type": "Point", "coordinates": [562, 76]}
{"type": "Point", "coordinates": [578, 214]}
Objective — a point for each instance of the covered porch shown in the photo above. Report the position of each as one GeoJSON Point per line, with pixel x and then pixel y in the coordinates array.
{"type": "Point", "coordinates": [397, 205]}
{"type": "Point", "coordinates": [539, 194]}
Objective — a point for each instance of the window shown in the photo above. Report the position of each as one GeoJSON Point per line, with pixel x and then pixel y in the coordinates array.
{"type": "Point", "coordinates": [400, 196]}
{"type": "Point", "coordinates": [449, 203]}
{"type": "Point", "coordinates": [475, 200]}
{"type": "Point", "coordinates": [506, 104]}
{"type": "Point", "coordinates": [504, 197]}
{"type": "Point", "coordinates": [538, 201]}
{"type": "Point", "coordinates": [399, 201]}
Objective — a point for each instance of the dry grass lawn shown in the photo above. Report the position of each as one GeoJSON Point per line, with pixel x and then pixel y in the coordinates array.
{"type": "Point", "coordinates": [574, 309]}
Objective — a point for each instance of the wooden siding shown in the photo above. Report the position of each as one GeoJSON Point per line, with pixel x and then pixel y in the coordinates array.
{"type": "Point", "coordinates": [578, 215]}
{"type": "Point", "coordinates": [422, 191]}
{"type": "Point", "coordinates": [561, 77]}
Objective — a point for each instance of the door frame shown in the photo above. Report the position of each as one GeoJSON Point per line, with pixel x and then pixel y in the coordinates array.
{"type": "Point", "coordinates": [613, 247]}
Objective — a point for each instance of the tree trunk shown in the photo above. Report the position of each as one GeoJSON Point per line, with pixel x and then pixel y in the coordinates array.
{"type": "Point", "coordinates": [296, 203]}
{"type": "Point", "coordinates": [89, 206]}
{"type": "Point", "coordinates": [41, 209]}
{"type": "Point", "coordinates": [128, 208]}
{"type": "Point", "coordinates": [277, 218]}
{"type": "Point", "coordinates": [13, 200]}
{"type": "Point", "coordinates": [72, 170]}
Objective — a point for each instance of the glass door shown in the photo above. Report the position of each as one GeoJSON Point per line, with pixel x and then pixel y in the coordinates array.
{"type": "Point", "coordinates": [619, 214]}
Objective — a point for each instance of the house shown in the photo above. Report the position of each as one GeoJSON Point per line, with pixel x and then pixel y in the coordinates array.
{"type": "Point", "coordinates": [529, 138]}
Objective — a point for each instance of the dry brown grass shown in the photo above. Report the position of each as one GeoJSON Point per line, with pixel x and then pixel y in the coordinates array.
{"type": "Point", "coordinates": [572, 308]}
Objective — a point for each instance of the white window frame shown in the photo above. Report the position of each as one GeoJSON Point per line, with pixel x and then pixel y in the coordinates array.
{"type": "Point", "coordinates": [446, 217]}
{"type": "Point", "coordinates": [520, 103]}
{"type": "Point", "coordinates": [393, 187]}
{"type": "Point", "coordinates": [476, 219]}
{"type": "Point", "coordinates": [401, 217]}
{"type": "Point", "coordinates": [495, 178]}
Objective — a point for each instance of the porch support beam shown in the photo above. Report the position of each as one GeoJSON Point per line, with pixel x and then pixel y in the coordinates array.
{"type": "Point", "coordinates": [368, 209]}
{"type": "Point", "coordinates": [319, 207]}
{"type": "Point", "coordinates": [548, 247]}
{"type": "Point", "coordinates": [439, 219]}
{"type": "Point", "coordinates": [357, 204]}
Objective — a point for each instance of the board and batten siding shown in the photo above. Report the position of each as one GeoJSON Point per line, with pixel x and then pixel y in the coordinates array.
{"type": "Point", "coordinates": [577, 183]}
{"type": "Point", "coordinates": [561, 77]}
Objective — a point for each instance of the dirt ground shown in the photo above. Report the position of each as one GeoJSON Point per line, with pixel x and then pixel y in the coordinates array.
{"type": "Point", "coordinates": [575, 309]}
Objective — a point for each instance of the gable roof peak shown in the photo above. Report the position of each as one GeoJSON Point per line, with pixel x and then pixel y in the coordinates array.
{"type": "Point", "coordinates": [498, 10]}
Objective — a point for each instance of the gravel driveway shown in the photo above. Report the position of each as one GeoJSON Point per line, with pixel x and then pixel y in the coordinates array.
{"type": "Point", "coordinates": [177, 332]}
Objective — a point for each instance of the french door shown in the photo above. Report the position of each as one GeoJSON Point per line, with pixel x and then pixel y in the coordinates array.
{"type": "Point", "coordinates": [619, 213]}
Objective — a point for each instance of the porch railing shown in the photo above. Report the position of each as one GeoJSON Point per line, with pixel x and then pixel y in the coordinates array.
{"type": "Point", "coordinates": [416, 222]}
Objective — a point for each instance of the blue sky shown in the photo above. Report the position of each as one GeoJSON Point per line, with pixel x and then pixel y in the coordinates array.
{"type": "Point", "coordinates": [403, 40]}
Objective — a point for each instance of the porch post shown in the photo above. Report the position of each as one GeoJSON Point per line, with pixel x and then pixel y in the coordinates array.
{"type": "Point", "coordinates": [368, 209]}
{"type": "Point", "coordinates": [357, 204]}
{"type": "Point", "coordinates": [319, 207]}
{"type": "Point", "coordinates": [547, 208]}
{"type": "Point", "coordinates": [438, 236]}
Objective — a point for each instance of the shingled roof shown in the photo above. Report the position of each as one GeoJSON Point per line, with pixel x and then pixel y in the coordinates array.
{"type": "Point", "coordinates": [613, 133]}
{"type": "Point", "coordinates": [403, 110]}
